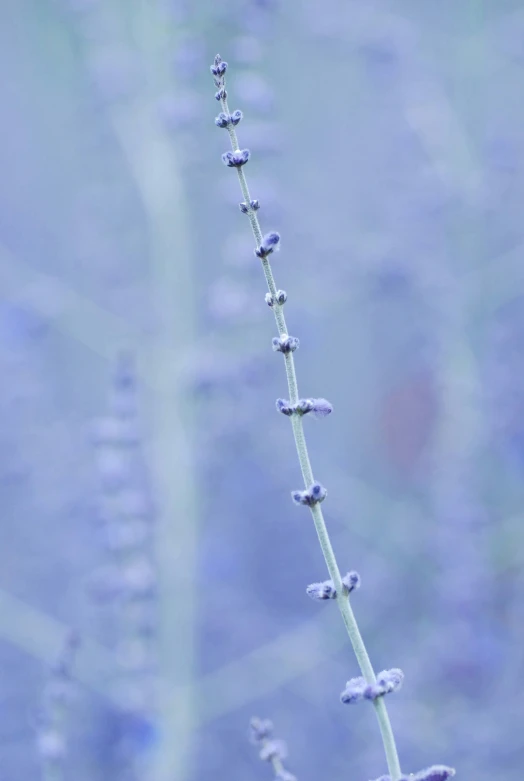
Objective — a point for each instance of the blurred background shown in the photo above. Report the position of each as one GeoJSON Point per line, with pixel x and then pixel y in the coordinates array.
{"type": "Point", "coordinates": [153, 568]}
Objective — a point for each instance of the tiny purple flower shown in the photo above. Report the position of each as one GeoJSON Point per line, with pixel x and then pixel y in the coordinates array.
{"type": "Point", "coordinates": [354, 691]}
{"type": "Point", "coordinates": [303, 406]}
{"type": "Point", "coordinates": [236, 159]}
{"type": "Point", "coordinates": [313, 495]}
{"type": "Point", "coordinates": [357, 689]}
{"type": "Point", "coordinates": [222, 120]}
{"type": "Point", "coordinates": [244, 208]}
{"type": "Point", "coordinates": [320, 408]}
{"type": "Point", "coordinates": [327, 590]}
{"type": "Point", "coordinates": [219, 70]}
{"type": "Point", "coordinates": [285, 344]}
{"type": "Point", "coordinates": [219, 67]}
{"type": "Point", "coordinates": [351, 581]}
{"type": "Point", "coordinates": [284, 407]}
{"type": "Point", "coordinates": [280, 298]}
{"type": "Point", "coordinates": [321, 591]}
{"type": "Point", "coordinates": [268, 245]}
{"type": "Point", "coordinates": [389, 680]}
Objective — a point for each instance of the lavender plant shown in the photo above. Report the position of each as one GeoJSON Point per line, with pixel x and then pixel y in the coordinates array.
{"type": "Point", "coordinates": [51, 737]}
{"type": "Point", "coordinates": [367, 686]}
{"type": "Point", "coordinates": [128, 585]}
{"type": "Point", "coordinates": [271, 750]}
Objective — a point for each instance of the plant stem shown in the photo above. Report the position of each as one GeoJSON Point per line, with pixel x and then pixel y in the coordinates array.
{"type": "Point", "coordinates": [348, 617]}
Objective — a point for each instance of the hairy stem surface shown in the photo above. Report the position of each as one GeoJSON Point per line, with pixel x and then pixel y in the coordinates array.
{"type": "Point", "coordinates": [348, 617]}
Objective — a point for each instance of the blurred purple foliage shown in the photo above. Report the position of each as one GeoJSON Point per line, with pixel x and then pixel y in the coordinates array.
{"type": "Point", "coordinates": [386, 151]}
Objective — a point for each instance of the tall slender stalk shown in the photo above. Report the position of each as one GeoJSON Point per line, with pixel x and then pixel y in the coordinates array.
{"type": "Point", "coordinates": [348, 617]}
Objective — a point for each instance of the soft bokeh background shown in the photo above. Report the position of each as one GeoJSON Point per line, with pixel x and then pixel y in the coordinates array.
{"type": "Point", "coordinates": [387, 150]}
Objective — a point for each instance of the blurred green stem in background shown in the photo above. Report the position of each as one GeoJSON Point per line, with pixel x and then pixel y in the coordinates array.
{"type": "Point", "coordinates": [156, 169]}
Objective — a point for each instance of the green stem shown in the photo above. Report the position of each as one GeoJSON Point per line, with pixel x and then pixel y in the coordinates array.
{"type": "Point", "coordinates": [348, 617]}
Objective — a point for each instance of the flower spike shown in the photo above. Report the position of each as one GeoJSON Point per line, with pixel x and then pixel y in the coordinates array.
{"type": "Point", "coordinates": [295, 407]}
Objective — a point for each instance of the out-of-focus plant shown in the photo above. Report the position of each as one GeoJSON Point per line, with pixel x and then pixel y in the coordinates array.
{"type": "Point", "coordinates": [368, 686]}
{"type": "Point", "coordinates": [271, 750]}
{"type": "Point", "coordinates": [127, 586]}
{"type": "Point", "coordinates": [51, 730]}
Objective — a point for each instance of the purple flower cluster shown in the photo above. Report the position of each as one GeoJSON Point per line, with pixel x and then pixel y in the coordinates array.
{"type": "Point", "coordinates": [327, 590]}
{"type": "Point", "coordinates": [271, 749]}
{"type": "Point", "coordinates": [269, 244]}
{"type": "Point", "coordinates": [254, 206]}
{"type": "Point", "coordinates": [218, 69]}
{"type": "Point", "coordinates": [313, 495]}
{"type": "Point", "coordinates": [279, 299]}
{"type": "Point", "coordinates": [358, 689]}
{"type": "Point", "coordinates": [285, 344]}
{"type": "Point", "coordinates": [236, 159]}
{"type": "Point", "coordinates": [227, 120]}
{"type": "Point", "coordinates": [319, 407]}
